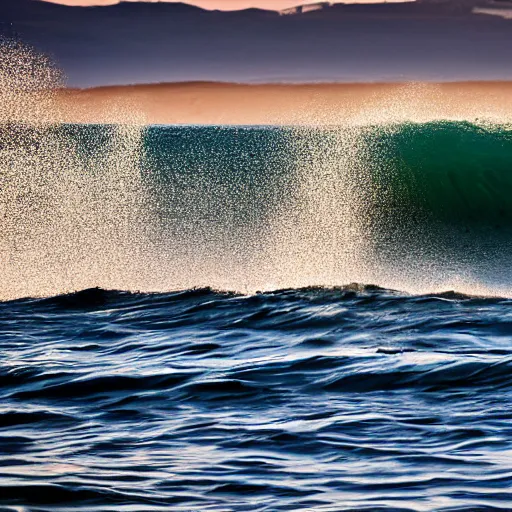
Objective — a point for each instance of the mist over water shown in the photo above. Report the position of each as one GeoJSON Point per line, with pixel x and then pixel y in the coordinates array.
{"type": "Point", "coordinates": [71, 199]}
{"type": "Point", "coordinates": [141, 208]}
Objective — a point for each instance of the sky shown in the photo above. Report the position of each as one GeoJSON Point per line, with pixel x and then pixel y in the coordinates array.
{"type": "Point", "coordinates": [225, 5]}
{"type": "Point", "coordinates": [387, 45]}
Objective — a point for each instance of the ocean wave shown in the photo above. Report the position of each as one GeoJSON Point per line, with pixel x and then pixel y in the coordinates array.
{"type": "Point", "coordinates": [176, 330]}
{"type": "Point", "coordinates": [416, 207]}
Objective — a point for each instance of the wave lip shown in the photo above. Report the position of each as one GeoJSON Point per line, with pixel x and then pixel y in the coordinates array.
{"type": "Point", "coordinates": [97, 298]}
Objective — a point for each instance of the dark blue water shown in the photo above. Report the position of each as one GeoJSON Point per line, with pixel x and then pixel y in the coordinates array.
{"type": "Point", "coordinates": [315, 399]}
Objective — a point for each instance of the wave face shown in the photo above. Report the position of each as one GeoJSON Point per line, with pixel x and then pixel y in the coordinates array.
{"type": "Point", "coordinates": [328, 206]}
{"type": "Point", "coordinates": [419, 207]}
{"type": "Point", "coordinates": [319, 399]}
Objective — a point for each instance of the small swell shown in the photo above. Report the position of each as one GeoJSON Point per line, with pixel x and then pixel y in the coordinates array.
{"type": "Point", "coordinates": [300, 398]}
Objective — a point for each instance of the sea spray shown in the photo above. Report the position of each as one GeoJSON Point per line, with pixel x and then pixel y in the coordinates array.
{"type": "Point", "coordinates": [71, 197]}
{"type": "Point", "coordinates": [385, 198]}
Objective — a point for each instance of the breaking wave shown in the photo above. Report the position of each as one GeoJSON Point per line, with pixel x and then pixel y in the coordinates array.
{"type": "Point", "coordinates": [417, 206]}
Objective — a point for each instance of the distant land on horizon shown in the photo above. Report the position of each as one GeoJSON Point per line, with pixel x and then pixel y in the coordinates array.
{"type": "Point", "coordinates": [139, 42]}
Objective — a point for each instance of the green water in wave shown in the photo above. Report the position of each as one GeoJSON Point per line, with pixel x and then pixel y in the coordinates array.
{"type": "Point", "coordinates": [449, 172]}
{"type": "Point", "coordinates": [454, 172]}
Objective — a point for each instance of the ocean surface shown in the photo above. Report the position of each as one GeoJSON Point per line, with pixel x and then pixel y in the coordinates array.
{"type": "Point", "coordinates": [256, 318]}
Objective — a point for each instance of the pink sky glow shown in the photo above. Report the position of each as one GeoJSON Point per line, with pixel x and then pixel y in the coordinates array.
{"type": "Point", "coordinates": [226, 5]}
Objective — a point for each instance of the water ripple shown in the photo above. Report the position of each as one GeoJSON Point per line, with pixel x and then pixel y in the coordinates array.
{"type": "Point", "coordinates": [303, 400]}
